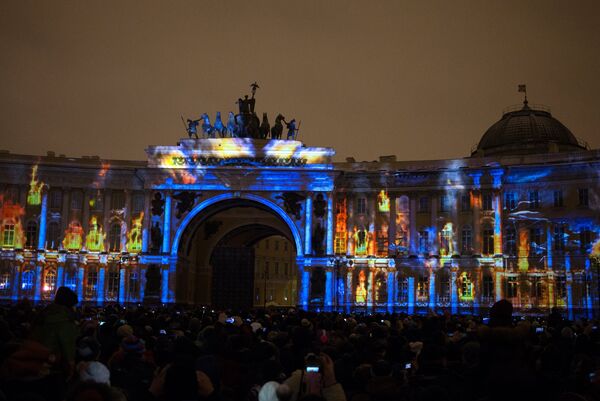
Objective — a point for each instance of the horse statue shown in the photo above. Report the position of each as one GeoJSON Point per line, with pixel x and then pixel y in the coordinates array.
{"type": "Point", "coordinates": [219, 127]}
{"type": "Point", "coordinates": [265, 127]}
{"type": "Point", "coordinates": [277, 128]}
{"type": "Point", "coordinates": [231, 125]}
{"type": "Point", "coordinates": [208, 129]}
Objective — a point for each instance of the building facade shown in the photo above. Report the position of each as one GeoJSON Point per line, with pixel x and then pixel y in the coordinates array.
{"type": "Point", "coordinates": [518, 219]}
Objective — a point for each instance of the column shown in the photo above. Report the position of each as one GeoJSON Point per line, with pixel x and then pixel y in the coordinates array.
{"type": "Point", "coordinates": [126, 220]}
{"type": "Point", "coordinates": [308, 226]}
{"type": "Point", "coordinates": [167, 225]}
{"type": "Point", "coordinates": [143, 270]}
{"type": "Point", "coordinates": [329, 290]}
{"type": "Point", "coordinates": [41, 244]}
{"type": "Point", "coordinates": [349, 289]}
{"type": "Point", "coordinates": [453, 291]}
{"type": "Point", "coordinates": [411, 295]}
{"type": "Point", "coordinates": [413, 238]}
{"type": "Point", "coordinates": [476, 204]}
{"type": "Point", "coordinates": [453, 196]}
{"type": "Point", "coordinates": [432, 289]}
{"type": "Point", "coordinates": [549, 248]}
{"type": "Point", "coordinates": [330, 224]}
{"type": "Point", "coordinates": [371, 211]}
{"type": "Point", "coordinates": [60, 276]}
{"type": "Point", "coordinates": [569, 285]}
{"type": "Point", "coordinates": [38, 283]}
{"type": "Point", "coordinates": [122, 273]}
{"type": "Point", "coordinates": [392, 226]}
{"type": "Point", "coordinates": [433, 232]}
{"type": "Point", "coordinates": [304, 290]}
{"type": "Point", "coordinates": [498, 286]}
{"type": "Point", "coordinates": [80, 282]}
{"type": "Point", "coordinates": [86, 213]}
{"type": "Point", "coordinates": [106, 218]}
{"type": "Point", "coordinates": [101, 279]}
{"type": "Point", "coordinates": [477, 286]}
{"type": "Point", "coordinates": [497, 223]}
{"type": "Point", "coordinates": [146, 224]}
{"type": "Point", "coordinates": [391, 288]}
{"type": "Point", "coordinates": [371, 288]}
{"type": "Point", "coordinates": [550, 283]}
{"type": "Point", "coordinates": [64, 216]}
{"type": "Point", "coordinates": [350, 223]}
{"type": "Point", "coordinates": [16, 281]}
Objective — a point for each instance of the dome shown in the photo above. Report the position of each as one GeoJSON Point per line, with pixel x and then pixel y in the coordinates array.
{"type": "Point", "coordinates": [527, 130]}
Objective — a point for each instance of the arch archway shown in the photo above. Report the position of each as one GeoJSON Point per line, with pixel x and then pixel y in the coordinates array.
{"type": "Point", "coordinates": [214, 248]}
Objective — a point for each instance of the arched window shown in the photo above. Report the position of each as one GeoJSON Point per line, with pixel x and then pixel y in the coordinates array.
{"type": "Point", "coordinates": [114, 238]}
{"type": "Point", "coordinates": [31, 235]}
{"type": "Point", "coordinates": [487, 289]}
{"type": "Point", "coordinates": [53, 239]}
{"type": "Point", "coordinates": [27, 283]}
{"type": "Point", "coordinates": [488, 241]}
{"type": "Point", "coordinates": [49, 284]}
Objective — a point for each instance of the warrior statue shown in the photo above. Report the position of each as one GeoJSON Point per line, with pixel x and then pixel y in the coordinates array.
{"type": "Point", "coordinates": [192, 127]}
{"type": "Point", "coordinates": [291, 126]}
{"type": "Point", "coordinates": [277, 129]}
{"type": "Point", "coordinates": [219, 127]}
{"type": "Point", "coordinates": [265, 127]}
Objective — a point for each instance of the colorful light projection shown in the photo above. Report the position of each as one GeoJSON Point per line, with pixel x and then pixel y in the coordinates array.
{"type": "Point", "coordinates": [383, 202]}
{"type": "Point", "coordinates": [361, 241]}
{"type": "Point", "coordinates": [34, 196]}
{"type": "Point", "coordinates": [523, 250]}
{"type": "Point", "coordinates": [465, 287]}
{"type": "Point", "coordinates": [341, 217]}
{"type": "Point", "coordinates": [11, 230]}
{"type": "Point", "coordinates": [238, 151]}
{"type": "Point", "coordinates": [73, 237]}
{"type": "Point", "coordinates": [360, 293]}
{"type": "Point", "coordinates": [134, 236]}
{"type": "Point", "coordinates": [94, 240]}
{"type": "Point", "coordinates": [447, 241]}
{"type": "Point", "coordinates": [402, 225]}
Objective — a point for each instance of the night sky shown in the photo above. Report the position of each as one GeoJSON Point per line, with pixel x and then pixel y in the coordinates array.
{"type": "Point", "coordinates": [422, 80]}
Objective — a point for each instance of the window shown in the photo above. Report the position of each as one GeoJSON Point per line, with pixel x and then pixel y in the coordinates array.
{"type": "Point", "coordinates": [535, 237]}
{"type": "Point", "coordinates": [466, 240]}
{"type": "Point", "coordinates": [71, 278]}
{"type": "Point", "coordinates": [466, 287]}
{"type": "Point", "coordinates": [266, 273]}
{"type": "Point", "coordinates": [55, 199]}
{"type": "Point", "coordinates": [276, 245]}
{"type": "Point", "coordinates": [112, 285]}
{"type": "Point", "coordinates": [534, 199]}
{"type": "Point", "coordinates": [537, 288]}
{"type": "Point", "coordinates": [487, 201]}
{"type": "Point", "coordinates": [53, 239]}
{"type": "Point", "coordinates": [50, 283]}
{"type": "Point", "coordinates": [488, 242]}
{"type": "Point", "coordinates": [91, 283]}
{"type": "Point", "coordinates": [5, 282]}
{"type": "Point", "coordinates": [27, 282]}
{"type": "Point", "coordinates": [97, 201]}
{"type": "Point", "coordinates": [114, 237]}
{"type": "Point", "coordinates": [584, 197]}
{"type": "Point", "coordinates": [585, 239]}
{"type": "Point", "coordinates": [444, 203]}
{"type": "Point", "coordinates": [560, 287]}
{"type": "Point", "coordinates": [465, 202]}
{"type": "Point", "coordinates": [487, 290]}
{"type": "Point", "coordinates": [340, 242]}
{"type": "Point", "coordinates": [444, 286]}
{"type": "Point", "coordinates": [423, 241]}
{"type": "Point", "coordinates": [423, 204]}
{"type": "Point", "coordinates": [76, 200]}
{"type": "Point", "coordinates": [403, 204]}
{"type": "Point", "coordinates": [511, 287]}
{"type": "Point", "coordinates": [8, 234]}
{"type": "Point", "coordinates": [361, 206]}
{"type": "Point", "coordinates": [403, 289]}
{"type": "Point", "coordinates": [559, 238]}
{"type": "Point", "coordinates": [257, 294]}
{"type": "Point", "coordinates": [510, 241]}
{"type": "Point", "coordinates": [31, 235]}
{"type": "Point", "coordinates": [423, 287]}
{"type": "Point", "coordinates": [286, 268]}
{"type": "Point", "coordinates": [446, 242]}
{"type": "Point", "coordinates": [133, 285]}
{"type": "Point", "coordinates": [137, 203]}
{"type": "Point", "coordinates": [276, 269]}
{"type": "Point", "coordinates": [510, 200]}
{"type": "Point", "coordinates": [117, 200]}
{"type": "Point", "coordinates": [558, 198]}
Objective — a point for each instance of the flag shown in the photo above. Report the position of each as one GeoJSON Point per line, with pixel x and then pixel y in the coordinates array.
{"type": "Point", "coordinates": [523, 88]}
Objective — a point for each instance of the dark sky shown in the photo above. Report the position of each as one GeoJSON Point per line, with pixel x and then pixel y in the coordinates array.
{"type": "Point", "coordinates": [422, 80]}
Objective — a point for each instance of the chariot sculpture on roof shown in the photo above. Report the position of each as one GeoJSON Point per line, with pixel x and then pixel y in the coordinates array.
{"type": "Point", "coordinates": [245, 124]}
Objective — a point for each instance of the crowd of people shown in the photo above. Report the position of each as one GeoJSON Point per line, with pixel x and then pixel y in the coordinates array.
{"type": "Point", "coordinates": [62, 351]}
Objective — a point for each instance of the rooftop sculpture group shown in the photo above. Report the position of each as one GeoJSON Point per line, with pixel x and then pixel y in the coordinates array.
{"type": "Point", "coordinates": [245, 124]}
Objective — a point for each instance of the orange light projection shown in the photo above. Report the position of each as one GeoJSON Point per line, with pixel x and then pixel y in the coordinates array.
{"type": "Point", "coordinates": [134, 236]}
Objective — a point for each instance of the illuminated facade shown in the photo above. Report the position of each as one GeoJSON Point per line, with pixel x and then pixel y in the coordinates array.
{"type": "Point", "coordinates": [519, 219]}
